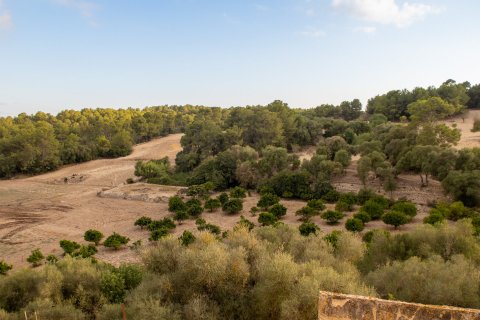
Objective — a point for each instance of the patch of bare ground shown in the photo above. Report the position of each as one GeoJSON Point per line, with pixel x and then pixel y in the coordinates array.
{"type": "Point", "coordinates": [465, 124]}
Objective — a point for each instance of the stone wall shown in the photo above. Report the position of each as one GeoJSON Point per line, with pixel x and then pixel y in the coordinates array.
{"type": "Point", "coordinates": [333, 306]}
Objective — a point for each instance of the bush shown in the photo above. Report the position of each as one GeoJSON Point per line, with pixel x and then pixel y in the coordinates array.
{"type": "Point", "coordinates": [132, 275]}
{"type": "Point", "coordinates": [158, 233]}
{"type": "Point", "coordinates": [238, 192]}
{"type": "Point", "coordinates": [331, 196]}
{"type": "Point", "coordinates": [187, 238]}
{"type": "Point", "coordinates": [343, 206]}
{"type": "Point", "coordinates": [86, 251]}
{"type": "Point", "coordinates": [113, 287]}
{"type": "Point", "coordinates": [267, 200]}
{"type": "Point", "coordinates": [316, 204]}
{"type": "Point", "coordinates": [69, 246]}
{"type": "Point", "coordinates": [36, 258]}
{"type": "Point", "coordinates": [194, 210]}
{"type": "Point", "coordinates": [51, 259]}
{"type": "Point", "coordinates": [332, 238]}
{"type": "Point", "coordinates": [364, 195]}
{"type": "Point", "coordinates": [175, 204]}
{"type": "Point", "coordinates": [143, 222]}
{"type": "Point", "coordinates": [165, 223]}
{"type": "Point", "coordinates": [354, 225]}
{"type": "Point", "coordinates": [212, 204]}
{"type": "Point", "coordinates": [93, 236]}
{"type": "Point", "coordinates": [307, 228]}
{"type": "Point", "coordinates": [223, 198]}
{"type": "Point", "coordinates": [278, 210]}
{"type": "Point", "coordinates": [233, 206]}
{"type": "Point", "coordinates": [244, 223]}
{"type": "Point", "coordinates": [332, 217]}
{"type": "Point", "coordinates": [458, 211]}
{"type": "Point", "coordinates": [362, 215]}
{"type": "Point", "coordinates": [406, 207]}
{"type": "Point", "coordinates": [267, 219]}
{"type": "Point", "coordinates": [4, 267]}
{"type": "Point", "coordinates": [373, 209]}
{"type": "Point", "coordinates": [306, 213]}
{"type": "Point", "coordinates": [395, 218]}
{"type": "Point", "coordinates": [181, 216]}
{"type": "Point", "coordinates": [213, 229]}
{"type": "Point", "coordinates": [115, 241]}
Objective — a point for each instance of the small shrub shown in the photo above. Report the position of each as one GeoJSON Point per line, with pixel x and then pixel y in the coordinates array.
{"type": "Point", "coordinates": [165, 223]}
{"type": "Point", "coordinates": [362, 215]}
{"type": "Point", "coordinates": [349, 198]}
{"type": "Point", "coordinates": [5, 267]}
{"type": "Point", "coordinates": [69, 246]}
{"type": "Point", "coordinates": [331, 196]}
{"type": "Point", "coordinates": [267, 219]}
{"type": "Point", "coordinates": [332, 217]}
{"type": "Point", "coordinates": [136, 245]}
{"type": "Point", "coordinates": [253, 211]}
{"type": "Point", "coordinates": [308, 228]}
{"type": "Point", "coordinates": [115, 241]}
{"type": "Point", "coordinates": [395, 218]}
{"type": "Point", "coordinates": [36, 258]}
{"type": "Point", "coordinates": [332, 238]}
{"type": "Point", "coordinates": [214, 229]}
{"type": "Point", "coordinates": [306, 213]}
{"type": "Point", "coordinates": [223, 198]}
{"type": "Point", "coordinates": [113, 287]}
{"type": "Point", "coordinates": [143, 222]}
{"type": "Point", "coordinates": [267, 200]}
{"type": "Point", "coordinates": [238, 192]}
{"type": "Point", "coordinates": [159, 233]}
{"type": "Point", "coordinates": [181, 216]}
{"type": "Point", "coordinates": [406, 207]}
{"type": "Point", "coordinates": [233, 206]}
{"type": "Point", "coordinates": [457, 211]}
{"type": "Point", "coordinates": [278, 210]}
{"type": "Point", "coordinates": [93, 236]}
{"type": "Point", "coordinates": [186, 238]}
{"type": "Point", "coordinates": [212, 204]}
{"type": "Point", "coordinates": [364, 195]}
{"type": "Point", "coordinates": [434, 218]}
{"type": "Point", "coordinates": [86, 251]}
{"type": "Point", "coordinates": [175, 204]}
{"type": "Point", "coordinates": [244, 223]}
{"type": "Point", "coordinates": [343, 206]}
{"type": "Point", "coordinates": [368, 236]}
{"type": "Point", "coordinates": [51, 259]}
{"type": "Point", "coordinates": [373, 209]}
{"type": "Point", "coordinates": [194, 210]}
{"type": "Point", "coordinates": [354, 225]}
{"type": "Point", "coordinates": [316, 204]}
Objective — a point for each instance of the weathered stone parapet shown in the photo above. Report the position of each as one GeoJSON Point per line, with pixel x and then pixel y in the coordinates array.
{"type": "Point", "coordinates": [334, 306]}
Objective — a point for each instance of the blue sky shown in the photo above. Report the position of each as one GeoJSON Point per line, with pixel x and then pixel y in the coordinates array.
{"type": "Point", "coordinates": [58, 54]}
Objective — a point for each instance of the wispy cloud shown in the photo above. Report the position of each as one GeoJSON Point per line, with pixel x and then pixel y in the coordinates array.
{"type": "Point", "coordinates": [85, 8]}
{"type": "Point", "coordinates": [313, 33]}
{"type": "Point", "coordinates": [365, 29]}
{"type": "Point", "coordinates": [385, 11]}
{"type": "Point", "coordinates": [5, 17]}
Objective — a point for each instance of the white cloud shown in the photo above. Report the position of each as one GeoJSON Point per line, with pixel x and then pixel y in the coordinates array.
{"type": "Point", "coordinates": [313, 33]}
{"type": "Point", "coordinates": [365, 29]}
{"type": "Point", "coordinates": [385, 11]}
{"type": "Point", "coordinates": [5, 18]}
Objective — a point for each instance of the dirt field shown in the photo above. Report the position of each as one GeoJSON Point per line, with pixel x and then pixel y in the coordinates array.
{"type": "Point", "coordinates": [40, 211]}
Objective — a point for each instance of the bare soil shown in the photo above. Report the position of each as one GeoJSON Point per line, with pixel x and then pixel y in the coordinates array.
{"type": "Point", "coordinates": [38, 212]}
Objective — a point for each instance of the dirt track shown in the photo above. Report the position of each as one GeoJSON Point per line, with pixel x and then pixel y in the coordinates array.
{"type": "Point", "coordinates": [38, 212]}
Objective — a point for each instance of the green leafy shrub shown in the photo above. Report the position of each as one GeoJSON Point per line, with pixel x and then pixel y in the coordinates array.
{"type": "Point", "coordinates": [4, 267]}
{"type": "Point", "coordinates": [307, 228]}
{"type": "Point", "coordinates": [395, 218]}
{"type": "Point", "coordinates": [362, 215]}
{"type": "Point", "coordinates": [69, 246]}
{"type": "Point", "coordinates": [51, 259]}
{"type": "Point", "coordinates": [331, 196]}
{"type": "Point", "coordinates": [223, 198]}
{"type": "Point", "coordinates": [194, 210]}
{"type": "Point", "coordinates": [115, 241]}
{"type": "Point", "coordinates": [406, 207]}
{"type": "Point", "coordinates": [364, 195]}
{"type": "Point", "coordinates": [36, 258]}
{"type": "Point", "coordinates": [434, 218]}
{"type": "Point", "coordinates": [267, 200]}
{"type": "Point", "coordinates": [213, 229]}
{"type": "Point", "coordinates": [86, 251]}
{"type": "Point", "coordinates": [278, 210]}
{"type": "Point", "coordinates": [354, 225]}
{"type": "Point", "coordinates": [143, 222]}
{"type": "Point", "coordinates": [187, 238]}
{"type": "Point", "coordinates": [94, 236]}
{"type": "Point", "coordinates": [306, 213]}
{"type": "Point", "coordinates": [374, 209]}
{"type": "Point", "coordinates": [343, 206]}
{"type": "Point", "coordinates": [316, 204]}
{"type": "Point", "coordinates": [165, 223]}
{"type": "Point", "coordinates": [158, 233]}
{"type": "Point", "coordinates": [113, 287]}
{"type": "Point", "coordinates": [212, 204]}
{"type": "Point", "coordinates": [175, 204]}
{"type": "Point", "coordinates": [181, 216]}
{"type": "Point", "coordinates": [267, 219]}
{"type": "Point", "coordinates": [233, 206]}
{"type": "Point", "coordinates": [238, 192]}
{"type": "Point", "coordinates": [332, 217]}
{"type": "Point", "coordinates": [244, 223]}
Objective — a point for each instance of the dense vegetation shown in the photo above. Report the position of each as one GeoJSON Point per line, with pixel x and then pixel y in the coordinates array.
{"type": "Point", "coordinates": [272, 271]}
